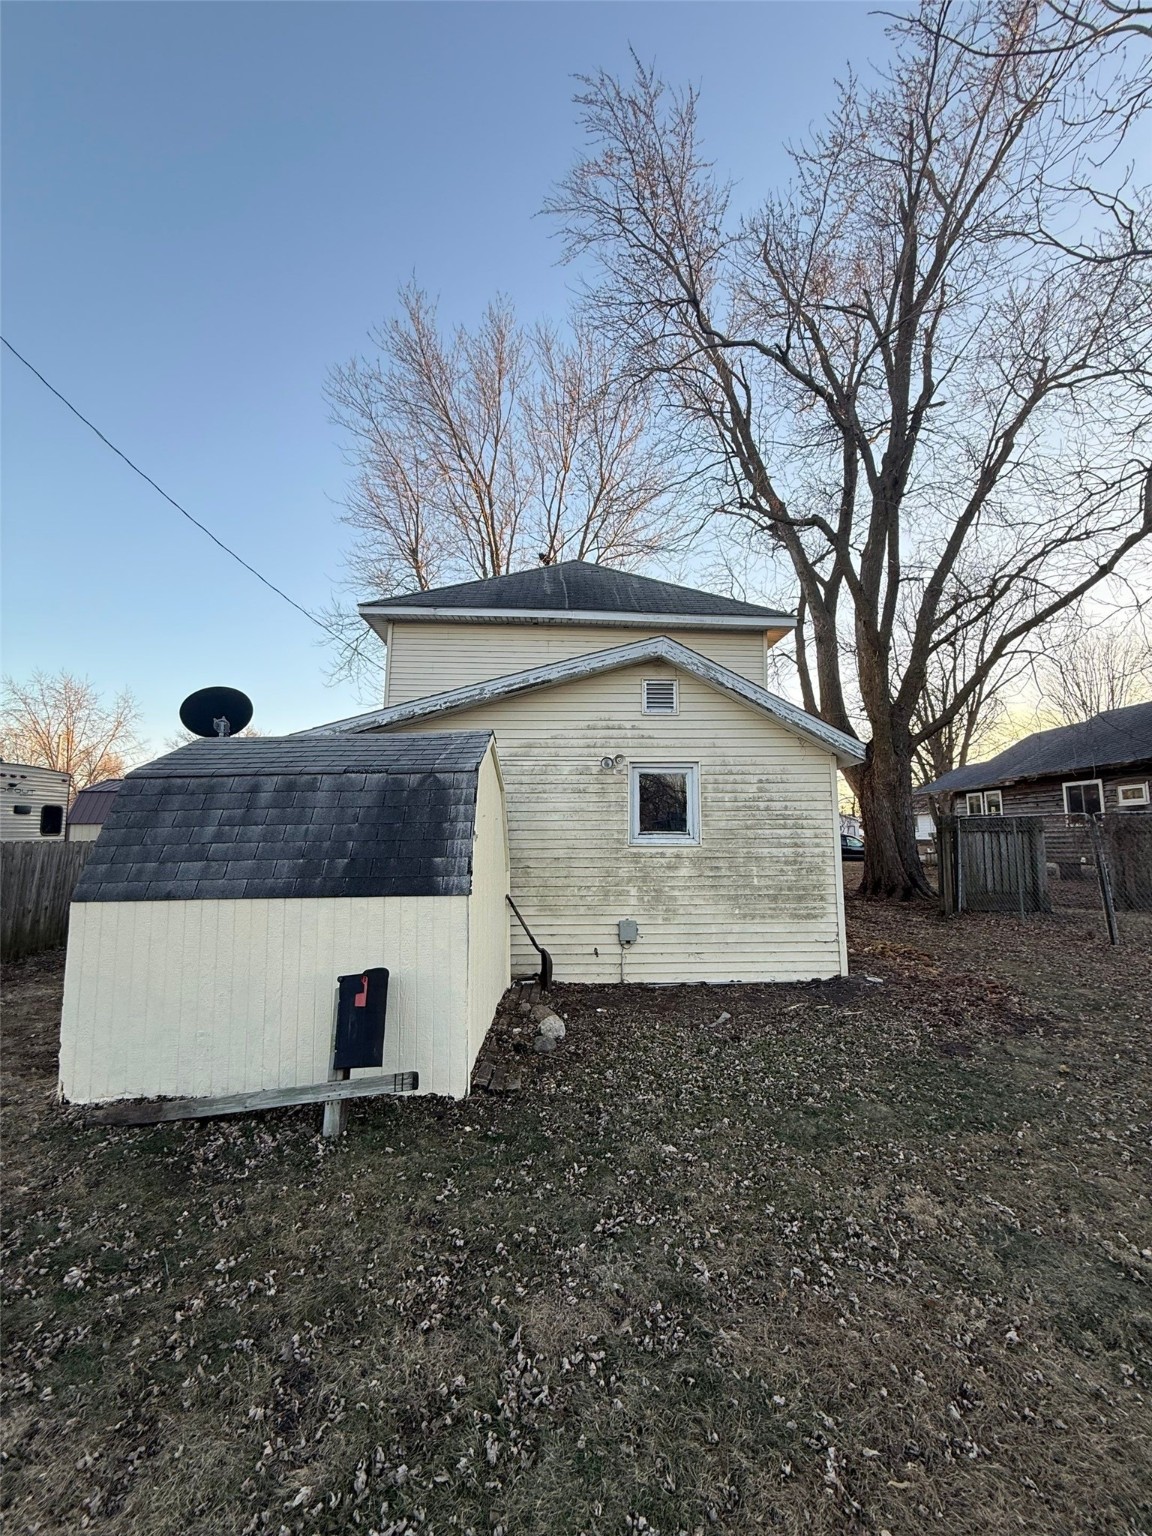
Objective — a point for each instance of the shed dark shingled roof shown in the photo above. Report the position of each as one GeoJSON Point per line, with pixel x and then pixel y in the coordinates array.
{"type": "Point", "coordinates": [293, 817]}
{"type": "Point", "coordinates": [578, 586]}
{"type": "Point", "coordinates": [1115, 739]}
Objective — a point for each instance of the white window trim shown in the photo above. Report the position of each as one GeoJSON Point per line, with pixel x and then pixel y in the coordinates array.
{"type": "Point", "coordinates": [664, 839]}
{"type": "Point", "coordinates": [1079, 784]}
{"type": "Point", "coordinates": [668, 713]}
{"type": "Point", "coordinates": [978, 796]}
{"type": "Point", "coordinates": [999, 794]}
{"type": "Point", "coordinates": [1140, 799]}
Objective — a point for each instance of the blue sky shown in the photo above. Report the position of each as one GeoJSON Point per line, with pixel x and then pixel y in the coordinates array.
{"type": "Point", "coordinates": [205, 207]}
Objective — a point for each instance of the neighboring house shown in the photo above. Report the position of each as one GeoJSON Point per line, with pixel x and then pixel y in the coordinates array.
{"type": "Point", "coordinates": [236, 879]}
{"type": "Point", "coordinates": [33, 803]}
{"type": "Point", "coordinates": [669, 819]}
{"type": "Point", "coordinates": [89, 811]}
{"type": "Point", "coordinates": [1102, 764]}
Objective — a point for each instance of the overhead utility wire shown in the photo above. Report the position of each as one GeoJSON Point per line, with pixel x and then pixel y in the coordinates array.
{"type": "Point", "coordinates": [271, 585]}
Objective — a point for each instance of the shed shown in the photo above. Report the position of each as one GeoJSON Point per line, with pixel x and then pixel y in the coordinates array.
{"type": "Point", "coordinates": [89, 811]}
{"type": "Point", "coordinates": [236, 879]}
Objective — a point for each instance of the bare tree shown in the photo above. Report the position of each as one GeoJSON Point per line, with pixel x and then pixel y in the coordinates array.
{"type": "Point", "coordinates": [937, 417]}
{"type": "Point", "coordinates": [1087, 670]}
{"type": "Point", "coordinates": [488, 450]}
{"type": "Point", "coordinates": [61, 722]}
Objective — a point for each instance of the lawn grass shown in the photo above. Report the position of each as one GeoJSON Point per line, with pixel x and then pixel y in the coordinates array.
{"type": "Point", "coordinates": [865, 1256]}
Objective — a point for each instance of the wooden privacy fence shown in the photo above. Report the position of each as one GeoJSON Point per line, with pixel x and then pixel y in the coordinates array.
{"type": "Point", "coordinates": [993, 864]}
{"type": "Point", "coordinates": [36, 885]}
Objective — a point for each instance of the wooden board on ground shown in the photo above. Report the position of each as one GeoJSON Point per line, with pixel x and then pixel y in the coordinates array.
{"type": "Point", "coordinates": [156, 1111]}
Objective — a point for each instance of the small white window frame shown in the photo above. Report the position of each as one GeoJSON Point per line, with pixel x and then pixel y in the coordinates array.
{"type": "Point", "coordinates": [667, 713]}
{"type": "Point", "coordinates": [1123, 797]}
{"type": "Point", "coordinates": [689, 839]}
{"type": "Point", "coordinates": [998, 796]}
{"type": "Point", "coordinates": [1080, 784]}
{"type": "Point", "coordinates": [978, 796]}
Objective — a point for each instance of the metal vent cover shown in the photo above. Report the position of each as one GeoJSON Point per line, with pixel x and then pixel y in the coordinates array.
{"type": "Point", "coordinates": [661, 696]}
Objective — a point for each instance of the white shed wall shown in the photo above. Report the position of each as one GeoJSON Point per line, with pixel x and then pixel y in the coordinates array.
{"type": "Point", "coordinates": [84, 831]}
{"type": "Point", "coordinates": [489, 958]}
{"type": "Point", "coordinates": [203, 998]}
{"type": "Point", "coordinates": [760, 898]}
{"type": "Point", "coordinates": [427, 658]}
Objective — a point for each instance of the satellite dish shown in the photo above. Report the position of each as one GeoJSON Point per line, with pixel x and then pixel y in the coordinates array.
{"type": "Point", "coordinates": [216, 712]}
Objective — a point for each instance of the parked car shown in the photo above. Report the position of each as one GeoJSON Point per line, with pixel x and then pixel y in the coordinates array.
{"type": "Point", "coordinates": [851, 848]}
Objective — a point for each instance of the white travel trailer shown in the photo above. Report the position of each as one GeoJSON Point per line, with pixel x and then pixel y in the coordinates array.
{"type": "Point", "coordinates": [33, 803]}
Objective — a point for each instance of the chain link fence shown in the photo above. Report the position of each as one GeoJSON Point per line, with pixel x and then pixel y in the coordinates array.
{"type": "Point", "coordinates": [1029, 864]}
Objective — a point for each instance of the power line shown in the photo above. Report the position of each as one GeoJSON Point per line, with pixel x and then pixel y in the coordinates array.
{"type": "Point", "coordinates": [271, 585]}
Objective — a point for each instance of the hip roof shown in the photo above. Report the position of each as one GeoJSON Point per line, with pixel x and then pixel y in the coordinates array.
{"type": "Point", "coordinates": [574, 588]}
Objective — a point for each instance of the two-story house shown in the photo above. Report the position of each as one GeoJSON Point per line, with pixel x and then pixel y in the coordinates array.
{"type": "Point", "coordinates": [599, 747]}
{"type": "Point", "coordinates": [651, 777]}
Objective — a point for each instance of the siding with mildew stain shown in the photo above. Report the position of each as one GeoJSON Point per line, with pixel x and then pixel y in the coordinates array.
{"type": "Point", "coordinates": [757, 900]}
{"type": "Point", "coordinates": [432, 658]}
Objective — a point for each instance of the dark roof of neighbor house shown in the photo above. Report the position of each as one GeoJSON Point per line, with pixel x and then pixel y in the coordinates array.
{"type": "Point", "coordinates": [248, 817]}
{"type": "Point", "coordinates": [92, 804]}
{"type": "Point", "coordinates": [578, 586]}
{"type": "Point", "coordinates": [1115, 739]}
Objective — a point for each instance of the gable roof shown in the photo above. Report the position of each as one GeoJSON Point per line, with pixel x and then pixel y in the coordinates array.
{"type": "Point", "coordinates": [92, 804]}
{"type": "Point", "coordinates": [247, 818]}
{"type": "Point", "coordinates": [846, 749]}
{"type": "Point", "coordinates": [576, 591]}
{"type": "Point", "coordinates": [1114, 739]}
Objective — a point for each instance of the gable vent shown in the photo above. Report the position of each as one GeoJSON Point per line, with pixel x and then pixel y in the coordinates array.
{"type": "Point", "coordinates": [660, 696]}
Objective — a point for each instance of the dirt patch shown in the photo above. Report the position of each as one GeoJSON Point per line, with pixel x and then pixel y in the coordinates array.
{"type": "Point", "coordinates": [866, 1255]}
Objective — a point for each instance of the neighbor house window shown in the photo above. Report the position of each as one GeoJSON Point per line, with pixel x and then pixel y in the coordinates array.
{"type": "Point", "coordinates": [1132, 794]}
{"type": "Point", "coordinates": [661, 696]}
{"type": "Point", "coordinates": [1084, 797]}
{"type": "Point", "coordinates": [987, 802]}
{"type": "Point", "coordinates": [665, 803]}
{"type": "Point", "coordinates": [51, 820]}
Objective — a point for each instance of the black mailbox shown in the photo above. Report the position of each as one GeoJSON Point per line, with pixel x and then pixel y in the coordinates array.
{"type": "Point", "coordinates": [360, 1011]}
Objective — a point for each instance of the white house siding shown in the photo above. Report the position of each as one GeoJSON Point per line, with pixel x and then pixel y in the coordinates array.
{"type": "Point", "coordinates": [758, 900]}
{"type": "Point", "coordinates": [488, 940]}
{"type": "Point", "coordinates": [202, 998]}
{"type": "Point", "coordinates": [84, 831]}
{"type": "Point", "coordinates": [427, 658]}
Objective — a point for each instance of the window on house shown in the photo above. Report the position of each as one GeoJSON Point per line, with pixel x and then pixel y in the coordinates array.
{"type": "Point", "coordinates": [1084, 797]}
{"type": "Point", "coordinates": [984, 802]}
{"type": "Point", "coordinates": [1132, 794]}
{"type": "Point", "coordinates": [51, 820]}
{"type": "Point", "coordinates": [665, 803]}
{"type": "Point", "coordinates": [661, 696]}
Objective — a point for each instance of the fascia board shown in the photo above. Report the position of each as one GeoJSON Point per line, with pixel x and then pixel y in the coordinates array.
{"type": "Point", "coordinates": [399, 613]}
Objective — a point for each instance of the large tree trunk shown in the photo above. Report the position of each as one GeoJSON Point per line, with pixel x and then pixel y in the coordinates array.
{"type": "Point", "coordinates": [883, 786]}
